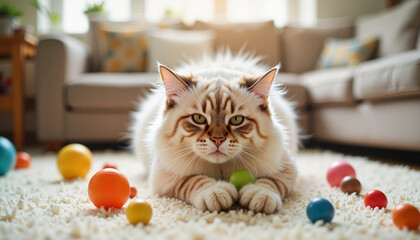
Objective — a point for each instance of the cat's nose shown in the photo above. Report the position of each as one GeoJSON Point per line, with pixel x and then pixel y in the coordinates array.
{"type": "Point", "coordinates": [218, 140]}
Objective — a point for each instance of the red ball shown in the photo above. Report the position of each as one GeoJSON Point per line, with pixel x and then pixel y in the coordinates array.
{"type": "Point", "coordinates": [23, 160]}
{"type": "Point", "coordinates": [337, 171]}
{"type": "Point", "coordinates": [406, 215]}
{"type": "Point", "coordinates": [375, 198]}
{"type": "Point", "coordinates": [109, 188]}
{"type": "Point", "coordinates": [110, 165]}
{"type": "Point", "coordinates": [133, 191]}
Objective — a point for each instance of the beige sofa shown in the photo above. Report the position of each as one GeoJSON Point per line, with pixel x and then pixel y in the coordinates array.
{"type": "Point", "coordinates": [376, 103]}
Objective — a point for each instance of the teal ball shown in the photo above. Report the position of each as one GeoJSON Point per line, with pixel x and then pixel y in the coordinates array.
{"type": "Point", "coordinates": [320, 209]}
{"type": "Point", "coordinates": [7, 155]}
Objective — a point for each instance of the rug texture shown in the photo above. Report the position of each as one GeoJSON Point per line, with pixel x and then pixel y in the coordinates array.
{"type": "Point", "coordinates": [37, 204]}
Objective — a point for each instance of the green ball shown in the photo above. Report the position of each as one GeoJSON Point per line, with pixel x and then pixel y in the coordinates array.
{"type": "Point", "coordinates": [241, 178]}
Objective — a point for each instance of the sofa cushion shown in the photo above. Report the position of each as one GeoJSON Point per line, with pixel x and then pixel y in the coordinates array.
{"type": "Point", "coordinates": [302, 46]}
{"type": "Point", "coordinates": [98, 20]}
{"type": "Point", "coordinates": [346, 52]}
{"type": "Point", "coordinates": [330, 86]}
{"type": "Point", "coordinates": [122, 50]}
{"type": "Point", "coordinates": [259, 38]}
{"type": "Point", "coordinates": [396, 28]}
{"type": "Point", "coordinates": [108, 91]}
{"type": "Point", "coordinates": [389, 77]}
{"type": "Point", "coordinates": [172, 47]}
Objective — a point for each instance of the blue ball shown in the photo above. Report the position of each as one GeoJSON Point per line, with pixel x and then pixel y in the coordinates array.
{"type": "Point", "coordinates": [7, 155]}
{"type": "Point", "coordinates": [320, 209]}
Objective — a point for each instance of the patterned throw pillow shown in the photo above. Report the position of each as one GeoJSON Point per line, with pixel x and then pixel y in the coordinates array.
{"type": "Point", "coordinates": [124, 50]}
{"type": "Point", "coordinates": [346, 52]}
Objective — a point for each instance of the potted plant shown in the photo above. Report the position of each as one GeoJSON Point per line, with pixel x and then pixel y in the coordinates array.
{"type": "Point", "coordinates": [54, 17]}
{"type": "Point", "coordinates": [96, 11]}
{"type": "Point", "coordinates": [10, 17]}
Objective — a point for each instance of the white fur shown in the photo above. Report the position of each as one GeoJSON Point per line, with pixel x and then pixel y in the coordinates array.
{"type": "Point", "coordinates": [169, 160]}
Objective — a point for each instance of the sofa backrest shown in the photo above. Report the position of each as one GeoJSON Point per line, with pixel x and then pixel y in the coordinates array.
{"type": "Point", "coordinates": [258, 38]}
{"type": "Point", "coordinates": [396, 28]}
{"type": "Point", "coordinates": [301, 47]}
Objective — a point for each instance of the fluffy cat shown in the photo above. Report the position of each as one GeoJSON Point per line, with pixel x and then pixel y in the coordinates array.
{"type": "Point", "coordinates": [211, 118]}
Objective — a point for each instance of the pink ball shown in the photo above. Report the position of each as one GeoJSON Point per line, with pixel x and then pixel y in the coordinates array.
{"type": "Point", "coordinates": [337, 171]}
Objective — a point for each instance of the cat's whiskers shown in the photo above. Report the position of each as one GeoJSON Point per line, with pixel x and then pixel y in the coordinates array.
{"type": "Point", "coordinates": [178, 146]}
{"type": "Point", "coordinates": [173, 167]}
{"type": "Point", "coordinates": [245, 163]}
{"type": "Point", "coordinates": [257, 152]}
{"type": "Point", "coordinates": [173, 161]}
{"type": "Point", "coordinates": [256, 157]}
{"type": "Point", "coordinates": [190, 161]}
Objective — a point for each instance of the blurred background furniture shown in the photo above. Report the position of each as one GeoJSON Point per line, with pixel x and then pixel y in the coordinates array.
{"type": "Point", "coordinates": [373, 103]}
{"type": "Point", "coordinates": [18, 48]}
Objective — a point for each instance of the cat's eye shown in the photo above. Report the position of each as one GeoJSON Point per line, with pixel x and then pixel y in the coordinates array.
{"type": "Point", "coordinates": [198, 118]}
{"type": "Point", "coordinates": [236, 120]}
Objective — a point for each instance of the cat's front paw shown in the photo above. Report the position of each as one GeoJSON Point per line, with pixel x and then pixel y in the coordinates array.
{"type": "Point", "coordinates": [259, 199]}
{"type": "Point", "coordinates": [215, 196]}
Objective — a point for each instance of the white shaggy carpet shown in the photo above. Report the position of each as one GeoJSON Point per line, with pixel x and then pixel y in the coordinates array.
{"type": "Point", "coordinates": [37, 204]}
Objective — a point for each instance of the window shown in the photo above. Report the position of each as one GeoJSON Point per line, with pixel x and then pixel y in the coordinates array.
{"type": "Point", "coordinates": [72, 18]}
{"type": "Point", "coordinates": [187, 11]}
{"type": "Point", "coordinates": [74, 21]}
{"type": "Point", "coordinates": [261, 10]}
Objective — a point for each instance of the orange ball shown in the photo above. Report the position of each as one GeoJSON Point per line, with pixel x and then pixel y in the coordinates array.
{"type": "Point", "coordinates": [406, 215]}
{"type": "Point", "coordinates": [109, 188]}
{"type": "Point", "coordinates": [23, 160]}
{"type": "Point", "coordinates": [133, 192]}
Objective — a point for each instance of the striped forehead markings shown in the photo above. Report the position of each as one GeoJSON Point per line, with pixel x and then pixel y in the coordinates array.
{"type": "Point", "coordinates": [218, 99]}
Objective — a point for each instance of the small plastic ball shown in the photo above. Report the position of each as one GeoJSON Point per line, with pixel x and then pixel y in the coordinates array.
{"type": "Point", "coordinates": [139, 211]}
{"type": "Point", "coordinates": [350, 185]}
{"type": "Point", "coordinates": [406, 215]}
{"type": "Point", "coordinates": [110, 165]}
{"type": "Point", "coordinates": [337, 171]}
{"type": "Point", "coordinates": [133, 191]}
{"type": "Point", "coordinates": [74, 160]}
{"type": "Point", "coordinates": [109, 188]}
{"type": "Point", "coordinates": [375, 198]}
{"type": "Point", "coordinates": [23, 160]}
{"type": "Point", "coordinates": [320, 209]}
{"type": "Point", "coordinates": [241, 178]}
{"type": "Point", "coordinates": [7, 155]}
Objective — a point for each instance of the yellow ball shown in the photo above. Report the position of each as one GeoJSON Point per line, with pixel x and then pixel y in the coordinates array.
{"type": "Point", "coordinates": [74, 161]}
{"type": "Point", "coordinates": [139, 211]}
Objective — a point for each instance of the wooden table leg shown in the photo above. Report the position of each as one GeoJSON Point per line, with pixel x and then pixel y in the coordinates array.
{"type": "Point", "coordinates": [17, 91]}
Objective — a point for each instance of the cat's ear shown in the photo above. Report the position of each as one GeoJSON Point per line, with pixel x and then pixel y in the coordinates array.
{"type": "Point", "coordinates": [173, 83]}
{"type": "Point", "coordinates": [261, 86]}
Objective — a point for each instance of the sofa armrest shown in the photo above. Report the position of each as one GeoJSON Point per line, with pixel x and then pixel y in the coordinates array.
{"type": "Point", "coordinates": [59, 58]}
{"type": "Point", "coordinates": [394, 76]}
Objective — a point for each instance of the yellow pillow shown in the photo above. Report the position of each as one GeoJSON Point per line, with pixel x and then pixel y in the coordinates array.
{"type": "Point", "coordinates": [346, 52]}
{"type": "Point", "coordinates": [124, 50]}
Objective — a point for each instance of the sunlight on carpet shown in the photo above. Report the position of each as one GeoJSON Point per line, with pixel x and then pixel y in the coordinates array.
{"type": "Point", "coordinates": [37, 204]}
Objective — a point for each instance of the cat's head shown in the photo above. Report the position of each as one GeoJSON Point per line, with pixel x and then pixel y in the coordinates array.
{"type": "Point", "coordinates": [217, 117]}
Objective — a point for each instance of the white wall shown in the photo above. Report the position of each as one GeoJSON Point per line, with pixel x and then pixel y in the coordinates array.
{"type": "Point", "coordinates": [348, 8]}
